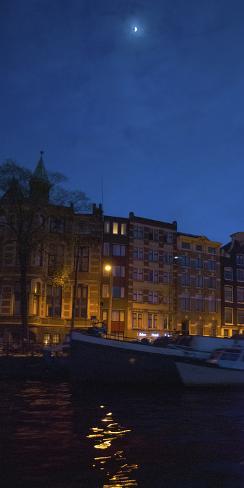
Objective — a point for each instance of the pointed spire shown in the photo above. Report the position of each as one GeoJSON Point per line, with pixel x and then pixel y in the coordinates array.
{"type": "Point", "coordinates": [40, 171]}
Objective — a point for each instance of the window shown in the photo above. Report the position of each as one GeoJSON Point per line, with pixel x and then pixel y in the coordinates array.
{"type": "Point", "coordinates": [212, 305]}
{"type": "Point", "coordinates": [152, 297]}
{"type": "Point", "coordinates": [199, 281]}
{"type": "Point", "coordinates": [37, 257]}
{"type": "Point", "coordinates": [155, 234]}
{"type": "Point", "coordinates": [211, 282]}
{"type": "Point", "coordinates": [228, 274]}
{"type": "Point", "coordinates": [240, 316]}
{"type": "Point", "coordinates": [138, 296]}
{"type": "Point", "coordinates": [185, 260]}
{"type": "Point", "coordinates": [185, 303]}
{"type": "Point", "coordinates": [199, 263]}
{"type": "Point", "coordinates": [185, 279]}
{"type": "Point", "coordinates": [9, 254]}
{"type": "Point", "coordinates": [164, 277]}
{"type": "Point", "coordinates": [56, 339]}
{"type": "Point", "coordinates": [199, 304]}
{"type": "Point", "coordinates": [211, 265]}
{"type": "Point", "coordinates": [198, 248]}
{"type": "Point", "coordinates": [56, 224]}
{"type": "Point", "coordinates": [118, 250]}
{"type": "Point", "coordinates": [138, 232]}
{"type": "Point", "coordinates": [152, 320]}
{"type": "Point", "coordinates": [123, 229]}
{"type": "Point", "coordinates": [105, 291]}
{"type": "Point", "coordinates": [81, 301]}
{"type": "Point", "coordinates": [240, 274]}
{"type": "Point", "coordinates": [226, 332]}
{"type": "Point", "coordinates": [54, 301]}
{"type": "Point", "coordinates": [6, 300]}
{"type": "Point", "coordinates": [152, 255]}
{"type": "Point", "coordinates": [119, 271]}
{"type": "Point", "coordinates": [240, 259]}
{"type": "Point", "coordinates": [105, 315]}
{"type": "Point", "coordinates": [137, 321]}
{"type": "Point", "coordinates": [240, 294]}
{"type": "Point", "coordinates": [168, 258]}
{"type": "Point", "coordinates": [83, 259]}
{"type": "Point", "coordinates": [106, 227]}
{"type": "Point", "coordinates": [106, 249]}
{"type": "Point", "coordinates": [118, 292]}
{"type": "Point", "coordinates": [46, 339]}
{"type": "Point", "coordinates": [155, 276]}
{"type": "Point", "coordinates": [118, 316]}
{"type": "Point", "coordinates": [169, 237]}
{"type": "Point", "coordinates": [228, 315]}
{"type": "Point", "coordinates": [115, 228]}
{"type": "Point", "coordinates": [228, 290]}
{"type": "Point", "coordinates": [138, 274]}
{"type": "Point", "coordinates": [211, 250]}
{"type": "Point", "coordinates": [185, 245]}
{"type": "Point", "coordinates": [138, 253]}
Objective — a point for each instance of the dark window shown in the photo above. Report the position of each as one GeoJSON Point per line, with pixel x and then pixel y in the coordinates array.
{"type": "Point", "coordinates": [81, 301]}
{"type": "Point", "coordinates": [56, 224]}
{"type": "Point", "coordinates": [83, 259]}
{"type": "Point", "coordinates": [54, 301]}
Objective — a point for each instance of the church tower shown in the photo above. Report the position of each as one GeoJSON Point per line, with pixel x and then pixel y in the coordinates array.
{"type": "Point", "coordinates": [39, 183]}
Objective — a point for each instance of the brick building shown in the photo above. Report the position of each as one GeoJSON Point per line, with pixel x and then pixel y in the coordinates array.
{"type": "Point", "coordinates": [232, 285]}
{"type": "Point", "coordinates": [197, 285]}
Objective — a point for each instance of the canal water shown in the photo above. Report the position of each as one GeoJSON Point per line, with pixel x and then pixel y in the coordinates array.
{"type": "Point", "coordinates": [56, 435]}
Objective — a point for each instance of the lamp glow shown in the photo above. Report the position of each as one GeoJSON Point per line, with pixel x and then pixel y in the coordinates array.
{"type": "Point", "coordinates": [108, 267]}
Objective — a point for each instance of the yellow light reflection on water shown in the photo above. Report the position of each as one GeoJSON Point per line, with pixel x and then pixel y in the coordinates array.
{"type": "Point", "coordinates": [105, 439]}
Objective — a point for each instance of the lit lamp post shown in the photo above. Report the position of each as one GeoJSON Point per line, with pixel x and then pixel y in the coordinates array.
{"type": "Point", "coordinates": [108, 268]}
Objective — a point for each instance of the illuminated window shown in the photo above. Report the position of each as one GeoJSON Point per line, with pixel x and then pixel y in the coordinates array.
{"type": "Point", "coordinates": [123, 229]}
{"type": "Point", "coordinates": [105, 315]}
{"type": "Point", "coordinates": [118, 316]}
{"type": "Point", "coordinates": [115, 228]}
{"type": "Point", "coordinates": [56, 338]}
{"type": "Point", "coordinates": [46, 339]}
{"type": "Point", "coordinates": [152, 320]}
{"type": "Point", "coordinates": [137, 320]}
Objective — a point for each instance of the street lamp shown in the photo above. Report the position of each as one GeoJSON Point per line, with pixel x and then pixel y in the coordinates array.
{"type": "Point", "coordinates": [108, 268]}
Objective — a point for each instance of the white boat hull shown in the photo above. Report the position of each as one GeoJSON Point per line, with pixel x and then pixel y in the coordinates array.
{"type": "Point", "coordinates": [208, 375]}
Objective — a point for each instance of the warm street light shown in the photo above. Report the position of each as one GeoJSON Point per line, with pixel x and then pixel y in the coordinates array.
{"type": "Point", "coordinates": [108, 268]}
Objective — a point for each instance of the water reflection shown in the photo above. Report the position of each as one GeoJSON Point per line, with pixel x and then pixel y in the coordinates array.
{"type": "Point", "coordinates": [104, 437]}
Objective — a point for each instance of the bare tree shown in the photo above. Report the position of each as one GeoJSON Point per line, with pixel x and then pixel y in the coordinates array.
{"type": "Point", "coordinates": [24, 212]}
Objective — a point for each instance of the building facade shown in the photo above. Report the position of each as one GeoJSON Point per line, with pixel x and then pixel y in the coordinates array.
{"type": "Point", "coordinates": [197, 285]}
{"type": "Point", "coordinates": [232, 285]}
{"type": "Point", "coordinates": [69, 252]}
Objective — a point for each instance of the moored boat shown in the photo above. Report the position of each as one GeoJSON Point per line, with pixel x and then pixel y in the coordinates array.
{"type": "Point", "coordinates": [99, 358]}
{"type": "Point", "coordinates": [225, 367]}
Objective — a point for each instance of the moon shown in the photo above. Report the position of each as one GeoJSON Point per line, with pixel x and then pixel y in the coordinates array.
{"type": "Point", "coordinates": [135, 28]}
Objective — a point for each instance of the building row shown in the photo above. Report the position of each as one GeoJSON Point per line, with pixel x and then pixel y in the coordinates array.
{"type": "Point", "coordinates": [141, 277]}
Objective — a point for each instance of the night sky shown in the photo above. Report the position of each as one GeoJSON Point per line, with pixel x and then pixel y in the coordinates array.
{"type": "Point", "coordinates": [158, 114]}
